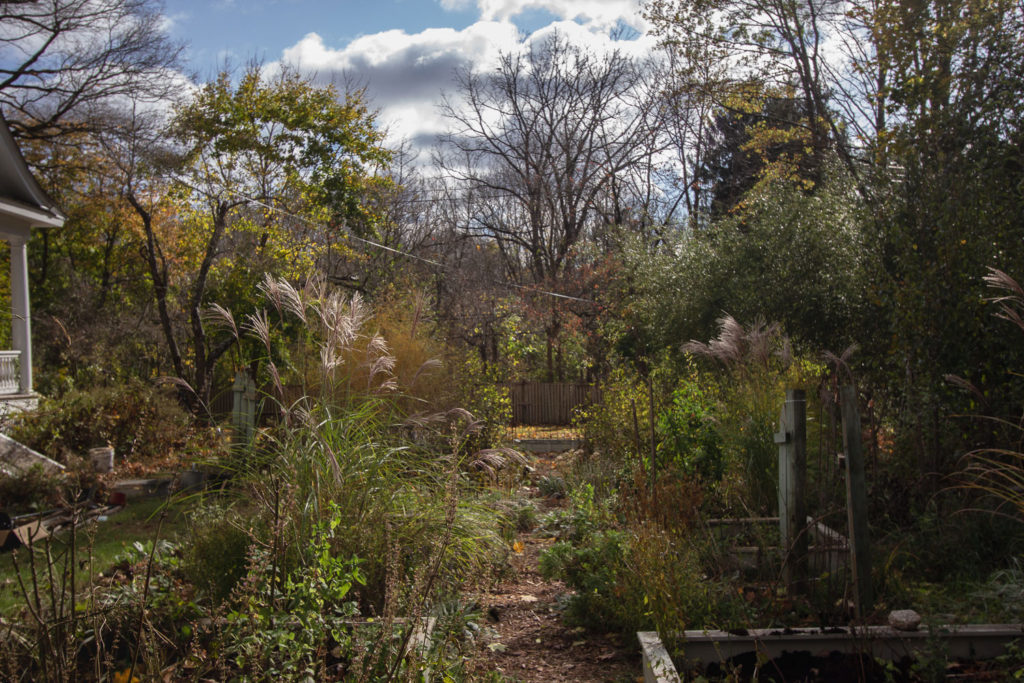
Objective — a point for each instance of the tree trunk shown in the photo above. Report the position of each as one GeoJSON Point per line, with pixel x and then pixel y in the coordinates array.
{"type": "Point", "coordinates": [158, 275]}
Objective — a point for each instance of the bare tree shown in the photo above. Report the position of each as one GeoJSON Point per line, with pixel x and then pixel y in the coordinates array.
{"type": "Point", "coordinates": [542, 137]}
{"type": "Point", "coordinates": [543, 143]}
{"type": "Point", "coordinates": [61, 58]}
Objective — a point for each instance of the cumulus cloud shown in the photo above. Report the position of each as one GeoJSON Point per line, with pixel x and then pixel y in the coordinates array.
{"type": "Point", "coordinates": [592, 13]}
{"type": "Point", "coordinates": [405, 73]}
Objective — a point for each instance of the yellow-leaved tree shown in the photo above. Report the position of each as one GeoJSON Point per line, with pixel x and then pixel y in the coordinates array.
{"type": "Point", "coordinates": [260, 176]}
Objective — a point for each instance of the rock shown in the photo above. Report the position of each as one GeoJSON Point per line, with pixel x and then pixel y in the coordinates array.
{"type": "Point", "coordinates": [904, 619]}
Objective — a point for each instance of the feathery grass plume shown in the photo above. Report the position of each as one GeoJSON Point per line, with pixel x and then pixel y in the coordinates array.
{"type": "Point", "coordinates": [735, 345]}
{"type": "Point", "coordinates": [259, 325]}
{"type": "Point", "coordinates": [999, 472]}
{"type": "Point", "coordinates": [424, 419]}
{"type": "Point", "coordinates": [841, 363]}
{"type": "Point", "coordinates": [271, 290]}
{"type": "Point", "coordinates": [284, 296]}
{"type": "Point", "coordinates": [315, 287]}
{"type": "Point", "coordinates": [176, 381]}
{"type": "Point", "coordinates": [490, 460]}
{"type": "Point", "coordinates": [341, 318]}
{"type": "Point", "coordinates": [330, 358]}
{"type": "Point", "coordinates": [276, 377]}
{"type": "Point", "coordinates": [967, 386]}
{"type": "Point", "coordinates": [1010, 305]}
{"type": "Point", "coordinates": [219, 316]}
{"type": "Point", "coordinates": [461, 413]}
{"type": "Point", "coordinates": [380, 362]}
{"type": "Point", "coordinates": [425, 367]}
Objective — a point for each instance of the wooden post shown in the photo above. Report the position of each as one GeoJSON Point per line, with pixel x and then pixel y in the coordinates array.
{"type": "Point", "coordinates": [654, 444]}
{"type": "Point", "coordinates": [856, 502]}
{"type": "Point", "coordinates": [792, 440]}
{"type": "Point", "coordinates": [243, 408]}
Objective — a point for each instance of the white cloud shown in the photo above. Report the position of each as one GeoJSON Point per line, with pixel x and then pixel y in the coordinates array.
{"type": "Point", "coordinates": [602, 14]}
{"type": "Point", "coordinates": [405, 73]}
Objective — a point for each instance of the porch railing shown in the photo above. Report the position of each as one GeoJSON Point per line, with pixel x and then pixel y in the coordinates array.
{"type": "Point", "coordinates": [10, 372]}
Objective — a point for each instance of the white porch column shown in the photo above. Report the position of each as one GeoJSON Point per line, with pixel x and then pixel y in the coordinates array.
{"type": "Point", "coordinates": [21, 318]}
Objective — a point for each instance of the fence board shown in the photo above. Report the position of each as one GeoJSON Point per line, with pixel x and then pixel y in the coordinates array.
{"type": "Point", "coordinates": [549, 403]}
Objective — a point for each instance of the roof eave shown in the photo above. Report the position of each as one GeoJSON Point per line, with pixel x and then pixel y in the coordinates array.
{"type": "Point", "coordinates": [36, 218]}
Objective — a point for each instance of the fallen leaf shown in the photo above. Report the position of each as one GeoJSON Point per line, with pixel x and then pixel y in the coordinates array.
{"type": "Point", "coordinates": [517, 547]}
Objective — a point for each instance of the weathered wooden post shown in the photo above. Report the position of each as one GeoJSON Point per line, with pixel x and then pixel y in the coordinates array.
{"type": "Point", "coordinates": [856, 502]}
{"type": "Point", "coordinates": [792, 440]}
{"type": "Point", "coordinates": [243, 407]}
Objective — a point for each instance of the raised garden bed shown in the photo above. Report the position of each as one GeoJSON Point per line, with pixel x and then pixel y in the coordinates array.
{"type": "Point", "coordinates": [813, 646]}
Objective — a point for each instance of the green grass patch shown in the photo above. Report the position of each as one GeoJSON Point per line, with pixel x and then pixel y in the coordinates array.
{"type": "Point", "coordinates": [97, 545]}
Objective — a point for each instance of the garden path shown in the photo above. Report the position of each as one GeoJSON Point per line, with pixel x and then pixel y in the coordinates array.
{"type": "Point", "coordinates": [523, 636]}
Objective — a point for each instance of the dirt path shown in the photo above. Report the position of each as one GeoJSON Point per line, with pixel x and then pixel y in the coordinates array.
{"type": "Point", "coordinates": [523, 637]}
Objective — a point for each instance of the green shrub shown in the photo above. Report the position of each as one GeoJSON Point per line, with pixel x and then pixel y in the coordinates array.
{"type": "Point", "coordinates": [688, 439]}
{"type": "Point", "coordinates": [481, 392]}
{"type": "Point", "coordinates": [606, 598]}
{"type": "Point", "coordinates": [608, 426]}
{"type": "Point", "coordinates": [138, 419]}
{"type": "Point", "coordinates": [216, 555]}
{"type": "Point", "coordinates": [679, 589]}
{"type": "Point", "coordinates": [31, 490]}
{"type": "Point", "coordinates": [285, 630]}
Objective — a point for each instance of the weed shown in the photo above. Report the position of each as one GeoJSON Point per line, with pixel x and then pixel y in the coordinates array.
{"type": "Point", "coordinates": [551, 487]}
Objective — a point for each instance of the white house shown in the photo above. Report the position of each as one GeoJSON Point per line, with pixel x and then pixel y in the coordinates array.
{"type": "Point", "coordinates": [23, 206]}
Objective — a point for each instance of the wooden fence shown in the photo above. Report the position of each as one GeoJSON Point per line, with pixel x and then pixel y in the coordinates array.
{"type": "Point", "coordinates": [549, 403]}
{"type": "Point", "coordinates": [533, 403]}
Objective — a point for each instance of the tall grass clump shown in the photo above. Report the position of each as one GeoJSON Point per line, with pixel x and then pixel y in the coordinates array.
{"type": "Point", "coordinates": [997, 472]}
{"type": "Point", "coordinates": [351, 474]}
{"type": "Point", "coordinates": [755, 366]}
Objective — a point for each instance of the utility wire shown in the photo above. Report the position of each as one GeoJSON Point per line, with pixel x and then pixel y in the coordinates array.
{"type": "Point", "coordinates": [378, 245]}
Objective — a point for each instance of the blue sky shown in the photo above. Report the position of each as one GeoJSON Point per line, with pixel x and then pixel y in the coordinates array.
{"type": "Point", "coordinates": [239, 30]}
{"type": "Point", "coordinates": [404, 51]}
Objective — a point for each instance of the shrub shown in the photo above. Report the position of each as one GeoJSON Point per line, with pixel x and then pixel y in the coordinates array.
{"type": "Point", "coordinates": [679, 590]}
{"type": "Point", "coordinates": [606, 598]}
{"type": "Point", "coordinates": [480, 391]}
{"type": "Point", "coordinates": [688, 437]}
{"type": "Point", "coordinates": [215, 558]}
{"type": "Point", "coordinates": [284, 630]}
{"type": "Point", "coordinates": [139, 420]}
{"type": "Point", "coordinates": [30, 490]}
{"type": "Point", "coordinates": [641, 578]}
{"type": "Point", "coordinates": [608, 426]}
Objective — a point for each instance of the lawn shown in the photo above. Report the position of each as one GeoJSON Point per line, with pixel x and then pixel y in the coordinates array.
{"type": "Point", "coordinates": [98, 544]}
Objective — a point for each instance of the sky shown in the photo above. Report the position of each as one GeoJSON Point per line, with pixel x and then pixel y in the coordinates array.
{"type": "Point", "coordinates": [404, 51]}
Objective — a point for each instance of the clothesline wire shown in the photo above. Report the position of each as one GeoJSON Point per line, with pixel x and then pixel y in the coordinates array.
{"type": "Point", "coordinates": [378, 245]}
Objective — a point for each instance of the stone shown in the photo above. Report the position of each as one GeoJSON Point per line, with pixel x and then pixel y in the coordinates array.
{"type": "Point", "coordinates": [904, 619]}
